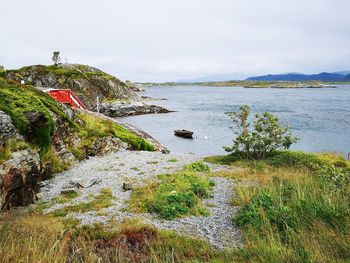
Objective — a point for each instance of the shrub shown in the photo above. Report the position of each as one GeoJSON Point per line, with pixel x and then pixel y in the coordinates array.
{"type": "Point", "coordinates": [197, 167]}
{"type": "Point", "coordinates": [267, 135]}
{"type": "Point", "coordinates": [174, 196]}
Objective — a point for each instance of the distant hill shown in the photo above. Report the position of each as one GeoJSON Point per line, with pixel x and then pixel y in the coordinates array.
{"type": "Point", "coordinates": [347, 77]}
{"type": "Point", "coordinates": [216, 77]}
{"type": "Point", "coordinates": [324, 76]}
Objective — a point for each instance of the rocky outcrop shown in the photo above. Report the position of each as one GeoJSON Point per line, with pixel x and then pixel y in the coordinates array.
{"type": "Point", "coordinates": [47, 137]}
{"type": "Point", "coordinates": [158, 146]}
{"type": "Point", "coordinates": [18, 179]}
{"type": "Point", "coordinates": [134, 86]}
{"type": "Point", "coordinates": [123, 109]}
{"type": "Point", "coordinates": [87, 82]}
{"type": "Point", "coordinates": [7, 129]}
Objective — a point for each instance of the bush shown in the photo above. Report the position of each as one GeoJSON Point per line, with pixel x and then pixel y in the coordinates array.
{"type": "Point", "coordinates": [197, 167]}
{"type": "Point", "coordinates": [174, 196]}
{"type": "Point", "coordinates": [267, 135]}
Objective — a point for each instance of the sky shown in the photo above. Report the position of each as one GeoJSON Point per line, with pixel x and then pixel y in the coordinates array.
{"type": "Point", "coordinates": [169, 40]}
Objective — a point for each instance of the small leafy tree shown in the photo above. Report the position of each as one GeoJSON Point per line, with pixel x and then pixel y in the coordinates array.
{"type": "Point", "coordinates": [266, 135]}
{"type": "Point", "coordinates": [56, 57]}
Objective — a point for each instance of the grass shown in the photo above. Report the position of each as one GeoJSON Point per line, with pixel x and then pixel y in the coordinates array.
{"type": "Point", "coordinates": [21, 101]}
{"type": "Point", "coordinates": [41, 238]}
{"type": "Point", "coordinates": [291, 211]}
{"type": "Point", "coordinates": [294, 207]}
{"type": "Point", "coordinates": [9, 146]}
{"type": "Point", "coordinates": [98, 128]}
{"type": "Point", "coordinates": [173, 160]}
{"type": "Point", "coordinates": [175, 195]}
{"type": "Point", "coordinates": [103, 200]}
{"type": "Point", "coordinates": [197, 167]}
{"type": "Point", "coordinates": [65, 197]}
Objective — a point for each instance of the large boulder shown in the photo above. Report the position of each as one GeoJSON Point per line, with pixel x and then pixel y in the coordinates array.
{"type": "Point", "coordinates": [123, 109]}
{"type": "Point", "coordinates": [7, 129]}
{"type": "Point", "coordinates": [18, 179]}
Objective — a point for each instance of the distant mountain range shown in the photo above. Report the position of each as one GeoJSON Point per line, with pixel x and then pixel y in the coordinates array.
{"type": "Point", "coordinates": [216, 77]}
{"type": "Point", "coordinates": [324, 76]}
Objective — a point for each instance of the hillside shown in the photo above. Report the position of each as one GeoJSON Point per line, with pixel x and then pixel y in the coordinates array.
{"type": "Point", "coordinates": [324, 76]}
{"type": "Point", "coordinates": [86, 81]}
{"type": "Point", "coordinates": [39, 137]}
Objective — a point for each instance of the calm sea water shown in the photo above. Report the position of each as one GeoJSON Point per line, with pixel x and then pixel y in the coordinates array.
{"type": "Point", "coordinates": [320, 117]}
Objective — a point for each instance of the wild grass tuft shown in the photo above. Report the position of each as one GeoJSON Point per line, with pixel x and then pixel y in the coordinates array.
{"type": "Point", "coordinates": [103, 200]}
{"type": "Point", "coordinates": [95, 127]}
{"type": "Point", "coordinates": [294, 207]}
{"type": "Point", "coordinates": [176, 195]}
{"type": "Point", "coordinates": [198, 166]}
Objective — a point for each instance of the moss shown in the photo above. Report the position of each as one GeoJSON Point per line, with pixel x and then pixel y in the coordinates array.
{"type": "Point", "coordinates": [96, 127]}
{"type": "Point", "coordinates": [52, 163]}
{"type": "Point", "coordinates": [174, 196]}
{"type": "Point", "coordinates": [10, 146]}
{"type": "Point", "coordinates": [197, 167]}
{"type": "Point", "coordinates": [19, 101]}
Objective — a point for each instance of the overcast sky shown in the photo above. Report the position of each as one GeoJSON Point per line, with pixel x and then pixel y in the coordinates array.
{"type": "Point", "coordinates": [164, 40]}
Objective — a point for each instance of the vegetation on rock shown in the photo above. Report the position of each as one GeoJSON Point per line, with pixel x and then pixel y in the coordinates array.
{"type": "Point", "coordinates": [87, 82]}
{"type": "Point", "coordinates": [175, 195]}
{"type": "Point", "coordinates": [30, 119]}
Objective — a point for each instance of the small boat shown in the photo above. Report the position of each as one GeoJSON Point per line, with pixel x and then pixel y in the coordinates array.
{"type": "Point", "coordinates": [184, 133]}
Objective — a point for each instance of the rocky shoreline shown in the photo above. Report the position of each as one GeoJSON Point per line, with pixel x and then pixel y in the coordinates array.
{"type": "Point", "coordinates": [131, 108]}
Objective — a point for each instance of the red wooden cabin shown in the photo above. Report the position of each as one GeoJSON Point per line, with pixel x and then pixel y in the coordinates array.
{"type": "Point", "coordinates": [66, 96]}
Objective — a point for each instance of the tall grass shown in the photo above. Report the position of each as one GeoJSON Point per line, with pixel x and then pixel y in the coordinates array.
{"type": "Point", "coordinates": [295, 207]}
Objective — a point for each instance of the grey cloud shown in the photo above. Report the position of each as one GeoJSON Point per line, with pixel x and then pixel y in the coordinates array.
{"type": "Point", "coordinates": [159, 40]}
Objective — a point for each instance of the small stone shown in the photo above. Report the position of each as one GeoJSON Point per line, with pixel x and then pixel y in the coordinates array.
{"type": "Point", "coordinates": [39, 196]}
{"type": "Point", "coordinates": [127, 187]}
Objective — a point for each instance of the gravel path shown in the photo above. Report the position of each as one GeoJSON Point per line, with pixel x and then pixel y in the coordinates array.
{"type": "Point", "coordinates": [139, 167]}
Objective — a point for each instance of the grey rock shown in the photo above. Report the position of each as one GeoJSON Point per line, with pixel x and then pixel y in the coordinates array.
{"type": "Point", "coordinates": [18, 179]}
{"type": "Point", "coordinates": [127, 186]}
{"type": "Point", "coordinates": [132, 108]}
{"type": "Point", "coordinates": [7, 129]}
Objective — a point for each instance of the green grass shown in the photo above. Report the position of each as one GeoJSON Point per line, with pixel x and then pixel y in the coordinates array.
{"type": "Point", "coordinates": [41, 238]}
{"type": "Point", "coordinates": [19, 101]}
{"type": "Point", "coordinates": [10, 146]}
{"type": "Point", "coordinates": [295, 159]}
{"type": "Point", "coordinates": [197, 167]}
{"type": "Point", "coordinates": [95, 127]}
{"type": "Point", "coordinates": [65, 197]}
{"type": "Point", "coordinates": [176, 195]}
{"type": "Point", "coordinates": [298, 211]}
{"type": "Point", "coordinates": [173, 160]}
{"type": "Point", "coordinates": [103, 200]}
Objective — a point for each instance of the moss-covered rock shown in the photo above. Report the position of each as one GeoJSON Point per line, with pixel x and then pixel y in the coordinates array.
{"type": "Point", "coordinates": [39, 137]}
{"type": "Point", "coordinates": [87, 82]}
